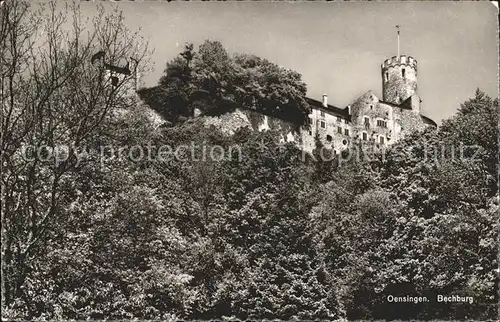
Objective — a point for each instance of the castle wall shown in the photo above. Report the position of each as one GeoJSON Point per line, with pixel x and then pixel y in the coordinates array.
{"type": "Point", "coordinates": [304, 136]}
{"type": "Point", "coordinates": [373, 122]}
{"type": "Point", "coordinates": [399, 122]}
{"type": "Point", "coordinates": [415, 103]}
{"type": "Point", "coordinates": [368, 107]}
{"type": "Point", "coordinates": [230, 122]}
{"type": "Point", "coordinates": [406, 121]}
{"type": "Point", "coordinates": [329, 135]}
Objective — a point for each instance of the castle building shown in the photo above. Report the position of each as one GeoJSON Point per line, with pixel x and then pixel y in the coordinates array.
{"type": "Point", "coordinates": [369, 119]}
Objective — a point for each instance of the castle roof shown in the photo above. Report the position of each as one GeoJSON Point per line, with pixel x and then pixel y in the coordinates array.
{"type": "Point", "coordinates": [342, 112]}
{"type": "Point", "coordinates": [428, 120]}
{"type": "Point", "coordinates": [407, 106]}
{"type": "Point", "coordinates": [367, 96]}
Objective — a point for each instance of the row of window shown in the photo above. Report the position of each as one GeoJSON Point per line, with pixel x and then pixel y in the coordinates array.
{"type": "Point", "coordinates": [322, 124]}
{"type": "Point", "coordinates": [339, 119]}
{"type": "Point", "coordinates": [403, 74]}
{"type": "Point", "coordinates": [380, 123]}
{"type": "Point", "coordinates": [329, 138]}
{"type": "Point", "coordinates": [381, 138]}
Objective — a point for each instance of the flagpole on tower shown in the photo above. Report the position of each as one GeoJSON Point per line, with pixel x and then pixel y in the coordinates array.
{"type": "Point", "coordinates": [397, 27]}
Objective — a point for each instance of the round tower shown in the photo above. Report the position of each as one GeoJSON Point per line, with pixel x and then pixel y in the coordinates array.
{"type": "Point", "coordinates": [399, 78]}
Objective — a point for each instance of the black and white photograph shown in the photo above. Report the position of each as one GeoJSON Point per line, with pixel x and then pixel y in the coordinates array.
{"type": "Point", "coordinates": [249, 160]}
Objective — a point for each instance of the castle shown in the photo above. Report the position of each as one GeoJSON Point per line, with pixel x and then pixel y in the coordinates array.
{"type": "Point", "coordinates": [369, 119]}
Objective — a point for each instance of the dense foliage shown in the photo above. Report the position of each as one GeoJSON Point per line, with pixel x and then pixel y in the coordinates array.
{"type": "Point", "coordinates": [255, 232]}
{"type": "Point", "coordinates": [214, 82]}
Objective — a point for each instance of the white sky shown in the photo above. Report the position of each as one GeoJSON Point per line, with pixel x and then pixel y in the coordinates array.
{"type": "Point", "coordinates": [337, 46]}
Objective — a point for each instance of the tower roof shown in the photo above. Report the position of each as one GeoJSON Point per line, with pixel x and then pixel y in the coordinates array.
{"type": "Point", "coordinates": [368, 95]}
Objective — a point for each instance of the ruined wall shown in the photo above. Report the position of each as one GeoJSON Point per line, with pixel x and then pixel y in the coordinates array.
{"type": "Point", "coordinates": [399, 78]}
{"type": "Point", "coordinates": [229, 123]}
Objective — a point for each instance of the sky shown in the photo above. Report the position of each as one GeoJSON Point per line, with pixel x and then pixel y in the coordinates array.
{"type": "Point", "coordinates": [338, 47]}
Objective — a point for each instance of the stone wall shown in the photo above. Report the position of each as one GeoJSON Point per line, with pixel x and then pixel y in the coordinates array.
{"type": "Point", "coordinates": [399, 79]}
{"type": "Point", "coordinates": [368, 106]}
{"type": "Point", "coordinates": [326, 126]}
{"type": "Point", "coordinates": [399, 122]}
{"type": "Point", "coordinates": [230, 122]}
{"type": "Point", "coordinates": [407, 121]}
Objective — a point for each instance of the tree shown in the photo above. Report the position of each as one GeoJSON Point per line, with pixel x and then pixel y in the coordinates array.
{"type": "Point", "coordinates": [476, 127]}
{"type": "Point", "coordinates": [273, 272]}
{"type": "Point", "coordinates": [171, 97]}
{"type": "Point", "coordinates": [270, 89]}
{"type": "Point", "coordinates": [53, 102]}
{"type": "Point", "coordinates": [214, 82]}
{"type": "Point", "coordinates": [436, 242]}
{"type": "Point", "coordinates": [325, 162]}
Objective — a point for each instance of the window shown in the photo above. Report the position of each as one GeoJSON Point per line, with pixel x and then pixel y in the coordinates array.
{"type": "Point", "coordinates": [310, 133]}
{"type": "Point", "coordinates": [339, 129]}
{"type": "Point", "coordinates": [114, 81]}
{"type": "Point", "coordinates": [371, 107]}
{"type": "Point", "coordinates": [345, 121]}
{"type": "Point", "coordinates": [339, 119]}
{"type": "Point", "coordinates": [381, 123]}
{"type": "Point", "coordinates": [329, 138]}
{"type": "Point", "coordinates": [322, 124]}
{"type": "Point", "coordinates": [344, 142]}
{"type": "Point", "coordinates": [381, 140]}
{"type": "Point", "coordinates": [403, 72]}
{"type": "Point", "coordinates": [365, 136]}
{"type": "Point", "coordinates": [367, 121]}
{"type": "Point", "coordinates": [386, 76]}
{"type": "Point", "coordinates": [322, 113]}
{"type": "Point", "coordinates": [346, 131]}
